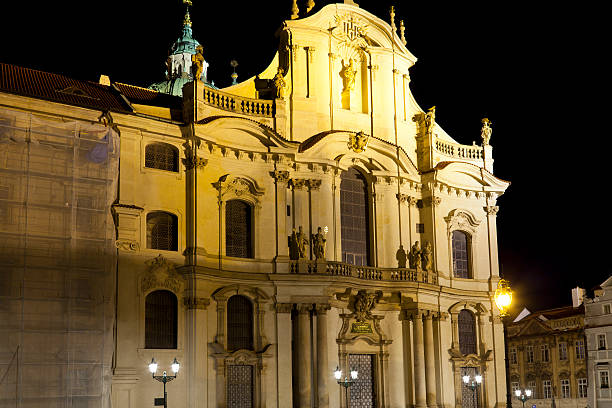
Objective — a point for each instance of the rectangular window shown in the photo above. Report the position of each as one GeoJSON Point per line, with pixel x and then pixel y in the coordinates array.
{"type": "Point", "coordinates": [606, 309]}
{"type": "Point", "coordinates": [515, 386]}
{"type": "Point", "coordinates": [529, 354]}
{"type": "Point", "coordinates": [580, 349]}
{"type": "Point", "coordinates": [601, 341]}
{"type": "Point", "coordinates": [547, 389]}
{"type": "Point", "coordinates": [565, 389]}
{"type": "Point", "coordinates": [563, 351]}
{"type": "Point", "coordinates": [513, 357]}
{"type": "Point", "coordinates": [582, 388]}
{"type": "Point", "coordinates": [604, 379]}
{"type": "Point", "coordinates": [531, 385]}
{"type": "Point", "coordinates": [420, 228]}
{"type": "Point", "coordinates": [544, 353]}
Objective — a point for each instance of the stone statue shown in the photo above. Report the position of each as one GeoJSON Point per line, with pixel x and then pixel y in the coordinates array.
{"type": "Point", "coordinates": [198, 63]}
{"type": "Point", "coordinates": [294, 253]}
{"type": "Point", "coordinates": [302, 243]}
{"type": "Point", "coordinates": [318, 245]}
{"type": "Point", "coordinates": [426, 256]}
{"type": "Point", "coordinates": [400, 255]}
{"type": "Point", "coordinates": [279, 83]}
{"type": "Point", "coordinates": [364, 303]}
{"type": "Point", "coordinates": [430, 120]}
{"type": "Point", "coordinates": [348, 73]}
{"type": "Point", "coordinates": [414, 257]}
{"type": "Point", "coordinates": [169, 72]}
{"type": "Point", "coordinates": [485, 132]}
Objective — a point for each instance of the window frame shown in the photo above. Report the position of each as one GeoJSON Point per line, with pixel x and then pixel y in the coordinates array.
{"type": "Point", "coordinates": [580, 349]}
{"type": "Point", "coordinates": [604, 384]}
{"type": "Point", "coordinates": [369, 217]}
{"type": "Point", "coordinates": [467, 312]}
{"type": "Point", "coordinates": [176, 320]}
{"type": "Point", "coordinates": [547, 389]}
{"type": "Point", "coordinates": [606, 306]}
{"type": "Point", "coordinates": [602, 345]}
{"type": "Point", "coordinates": [177, 157]}
{"type": "Point", "coordinates": [562, 348]}
{"type": "Point", "coordinates": [468, 251]}
{"type": "Point", "coordinates": [565, 388]}
{"type": "Point", "coordinates": [250, 228]}
{"type": "Point", "coordinates": [175, 232]}
{"type": "Point", "coordinates": [583, 386]}
{"type": "Point", "coordinates": [251, 347]}
{"type": "Point", "coordinates": [529, 354]}
{"type": "Point", "coordinates": [513, 355]}
{"type": "Point", "coordinates": [544, 353]}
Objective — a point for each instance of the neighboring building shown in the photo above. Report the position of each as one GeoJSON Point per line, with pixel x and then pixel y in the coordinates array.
{"type": "Point", "coordinates": [598, 330]}
{"type": "Point", "coordinates": [312, 217]}
{"type": "Point", "coordinates": [547, 354]}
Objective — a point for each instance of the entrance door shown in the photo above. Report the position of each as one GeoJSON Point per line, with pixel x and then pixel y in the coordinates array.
{"type": "Point", "coordinates": [469, 397]}
{"type": "Point", "coordinates": [363, 391]}
{"type": "Point", "coordinates": [240, 386]}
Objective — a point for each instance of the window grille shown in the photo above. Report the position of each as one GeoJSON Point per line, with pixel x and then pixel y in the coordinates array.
{"type": "Point", "coordinates": [461, 260]}
{"type": "Point", "coordinates": [238, 229]}
{"type": "Point", "coordinates": [355, 234]}
{"type": "Point", "coordinates": [467, 332]}
{"type": "Point", "coordinates": [240, 386]}
{"type": "Point", "coordinates": [469, 397]}
{"type": "Point", "coordinates": [162, 231]}
{"type": "Point", "coordinates": [161, 156]}
{"type": "Point", "coordinates": [362, 392]}
{"type": "Point", "coordinates": [239, 323]}
{"type": "Point", "coordinates": [161, 315]}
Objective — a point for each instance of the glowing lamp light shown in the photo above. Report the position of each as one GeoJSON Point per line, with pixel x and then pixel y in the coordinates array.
{"type": "Point", "coordinates": [175, 366]}
{"type": "Point", "coordinates": [517, 393]}
{"type": "Point", "coordinates": [478, 379]}
{"type": "Point", "coordinates": [338, 373]}
{"type": "Point", "coordinates": [354, 374]}
{"type": "Point", "coordinates": [466, 379]}
{"type": "Point", "coordinates": [152, 366]}
{"type": "Point", "coordinates": [503, 297]}
{"type": "Point", "coordinates": [528, 393]}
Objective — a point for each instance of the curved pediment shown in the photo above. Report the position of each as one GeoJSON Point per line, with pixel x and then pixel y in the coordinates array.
{"type": "Point", "coordinates": [241, 133]}
{"type": "Point", "coordinates": [470, 177]}
{"type": "Point", "coordinates": [375, 154]}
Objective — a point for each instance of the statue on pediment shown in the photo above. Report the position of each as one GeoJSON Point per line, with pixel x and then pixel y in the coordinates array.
{"type": "Point", "coordinates": [430, 120]}
{"type": "Point", "coordinates": [486, 131]}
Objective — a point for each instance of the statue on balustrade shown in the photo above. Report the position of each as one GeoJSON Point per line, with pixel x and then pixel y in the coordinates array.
{"type": "Point", "coordinates": [430, 120]}
{"type": "Point", "coordinates": [297, 245]}
{"type": "Point", "coordinates": [279, 84]}
{"type": "Point", "coordinates": [198, 63]}
{"type": "Point", "coordinates": [426, 256]}
{"type": "Point", "coordinates": [486, 131]}
{"type": "Point", "coordinates": [401, 257]}
{"type": "Point", "coordinates": [318, 245]}
{"type": "Point", "coordinates": [414, 257]}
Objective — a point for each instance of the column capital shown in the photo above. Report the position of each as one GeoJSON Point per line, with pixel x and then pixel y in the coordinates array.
{"type": "Point", "coordinates": [322, 308]}
{"type": "Point", "coordinates": [304, 308]}
{"type": "Point", "coordinates": [491, 210]}
{"type": "Point", "coordinates": [313, 184]}
{"type": "Point", "coordinates": [283, 307]}
{"type": "Point", "coordinates": [297, 184]}
{"type": "Point", "coordinates": [281, 176]}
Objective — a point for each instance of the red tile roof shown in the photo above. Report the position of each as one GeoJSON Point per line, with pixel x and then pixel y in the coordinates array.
{"type": "Point", "coordinates": [145, 96]}
{"type": "Point", "coordinates": [58, 88]}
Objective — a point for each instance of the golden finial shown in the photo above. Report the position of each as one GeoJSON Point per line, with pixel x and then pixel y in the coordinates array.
{"type": "Point", "coordinates": [402, 32]}
{"type": "Point", "coordinates": [187, 19]}
{"type": "Point", "coordinates": [392, 14]}
{"type": "Point", "coordinates": [295, 11]}
{"type": "Point", "coordinates": [187, 2]}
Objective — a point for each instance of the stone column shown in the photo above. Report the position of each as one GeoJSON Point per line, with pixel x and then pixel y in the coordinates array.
{"type": "Point", "coordinates": [282, 250]}
{"type": "Point", "coordinates": [301, 210]}
{"type": "Point", "coordinates": [197, 353]}
{"type": "Point", "coordinates": [323, 371]}
{"type": "Point", "coordinates": [283, 346]}
{"type": "Point", "coordinates": [419, 362]}
{"type": "Point", "coordinates": [430, 361]}
{"type": "Point", "coordinates": [304, 356]}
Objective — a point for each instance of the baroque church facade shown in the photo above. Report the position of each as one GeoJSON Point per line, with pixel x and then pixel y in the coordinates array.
{"type": "Point", "coordinates": [311, 218]}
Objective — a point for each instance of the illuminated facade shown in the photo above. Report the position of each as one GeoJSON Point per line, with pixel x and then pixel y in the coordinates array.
{"type": "Point", "coordinates": [311, 217]}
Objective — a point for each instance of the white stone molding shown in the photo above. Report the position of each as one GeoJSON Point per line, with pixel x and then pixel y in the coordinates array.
{"type": "Point", "coordinates": [464, 220]}
{"type": "Point", "coordinates": [160, 274]}
{"type": "Point", "coordinates": [239, 187]}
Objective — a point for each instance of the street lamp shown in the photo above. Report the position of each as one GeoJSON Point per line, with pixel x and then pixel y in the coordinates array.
{"type": "Point", "coordinates": [503, 300]}
{"type": "Point", "coordinates": [346, 383]}
{"type": "Point", "coordinates": [473, 383]}
{"type": "Point", "coordinates": [164, 378]}
{"type": "Point", "coordinates": [522, 395]}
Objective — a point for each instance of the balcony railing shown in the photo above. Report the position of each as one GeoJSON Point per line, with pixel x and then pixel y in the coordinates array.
{"type": "Point", "coordinates": [370, 273]}
{"type": "Point", "coordinates": [238, 104]}
{"type": "Point", "coordinates": [458, 150]}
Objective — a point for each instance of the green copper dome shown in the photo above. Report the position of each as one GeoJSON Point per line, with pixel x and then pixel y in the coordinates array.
{"type": "Point", "coordinates": [186, 43]}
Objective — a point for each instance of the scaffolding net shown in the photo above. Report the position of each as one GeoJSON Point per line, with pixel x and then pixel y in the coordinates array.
{"type": "Point", "coordinates": [58, 180]}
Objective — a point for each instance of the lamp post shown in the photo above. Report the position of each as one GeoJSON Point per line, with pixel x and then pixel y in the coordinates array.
{"type": "Point", "coordinates": [473, 384]}
{"type": "Point", "coordinates": [523, 395]}
{"type": "Point", "coordinates": [164, 378]}
{"type": "Point", "coordinates": [346, 383]}
{"type": "Point", "coordinates": [503, 300]}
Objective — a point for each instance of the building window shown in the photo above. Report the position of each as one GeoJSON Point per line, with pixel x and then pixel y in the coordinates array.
{"type": "Point", "coordinates": [544, 353]}
{"type": "Point", "coordinates": [461, 259]}
{"type": "Point", "coordinates": [531, 385]}
{"type": "Point", "coordinates": [161, 156]}
{"type": "Point", "coordinates": [355, 232]}
{"type": "Point", "coordinates": [546, 389]}
{"type": "Point", "coordinates": [580, 349]}
{"type": "Point", "coordinates": [606, 309]}
{"type": "Point", "coordinates": [563, 351]}
{"type": "Point", "coordinates": [513, 356]}
{"type": "Point", "coordinates": [529, 354]}
{"type": "Point", "coordinates": [238, 229]}
{"type": "Point", "coordinates": [467, 332]}
{"type": "Point", "coordinates": [604, 380]}
{"type": "Point", "coordinates": [601, 341]}
{"type": "Point", "coordinates": [420, 228]}
{"type": "Point", "coordinates": [161, 320]}
{"type": "Point", "coordinates": [582, 388]}
{"type": "Point", "coordinates": [162, 231]}
{"type": "Point", "coordinates": [565, 388]}
{"type": "Point", "coordinates": [515, 386]}
{"type": "Point", "coordinates": [239, 323]}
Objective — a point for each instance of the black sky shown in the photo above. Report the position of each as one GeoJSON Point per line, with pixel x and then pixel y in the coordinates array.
{"type": "Point", "coordinates": [534, 69]}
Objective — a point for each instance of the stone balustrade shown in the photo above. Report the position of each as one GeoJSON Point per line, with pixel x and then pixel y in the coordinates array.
{"type": "Point", "coordinates": [238, 104]}
{"type": "Point", "coordinates": [371, 273]}
{"type": "Point", "coordinates": [458, 150]}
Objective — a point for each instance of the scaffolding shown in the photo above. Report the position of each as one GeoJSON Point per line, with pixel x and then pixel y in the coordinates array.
{"type": "Point", "coordinates": [58, 180]}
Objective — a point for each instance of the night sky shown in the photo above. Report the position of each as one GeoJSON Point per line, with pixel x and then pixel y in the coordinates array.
{"type": "Point", "coordinates": [534, 70]}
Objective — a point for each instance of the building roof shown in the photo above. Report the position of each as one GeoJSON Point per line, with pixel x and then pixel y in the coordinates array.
{"type": "Point", "coordinates": [146, 96]}
{"type": "Point", "coordinates": [58, 88]}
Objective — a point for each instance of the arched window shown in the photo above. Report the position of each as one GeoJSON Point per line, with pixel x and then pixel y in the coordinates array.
{"type": "Point", "coordinates": [239, 323]}
{"type": "Point", "coordinates": [162, 231]}
{"type": "Point", "coordinates": [461, 255]}
{"type": "Point", "coordinates": [162, 156]}
{"type": "Point", "coordinates": [238, 239]}
{"type": "Point", "coordinates": [467, 332]}
{"type": "Point", "coordinates": [355, 232]}
{"type": "Point", "coordinates": [161, 315]}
